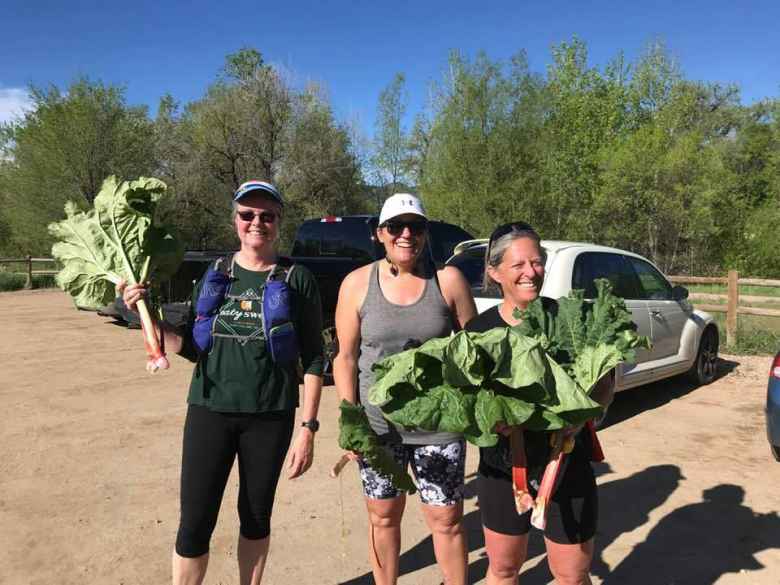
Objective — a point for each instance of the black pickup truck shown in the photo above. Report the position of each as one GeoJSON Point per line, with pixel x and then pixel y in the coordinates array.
{"type": "Point", "coordinates": [331, 247]}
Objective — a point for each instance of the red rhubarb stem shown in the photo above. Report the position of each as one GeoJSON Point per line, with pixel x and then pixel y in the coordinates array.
{"type": "Point", "coordinates": [597, 453]}
{"type": "Point", "coordinates": [549, 481]}
{"type": "Point", "coordinates": [524, 501]}
{"type": "Point", "coordinates": [157, 359]}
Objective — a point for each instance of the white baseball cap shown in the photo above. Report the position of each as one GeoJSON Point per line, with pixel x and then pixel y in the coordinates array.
{"type": "Point", "coordinates": [400, 204]}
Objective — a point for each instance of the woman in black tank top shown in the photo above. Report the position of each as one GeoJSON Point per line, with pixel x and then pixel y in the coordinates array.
{"type": "Point", "coordinates": [515, 263]}
{"type": "Point", "coordinates": [382, 309]}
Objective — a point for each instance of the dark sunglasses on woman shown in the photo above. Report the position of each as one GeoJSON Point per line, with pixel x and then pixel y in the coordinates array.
{"type": "Point", "coordinates": [396, 228]}
{"type": "Point", "coordinates": [264, 216]}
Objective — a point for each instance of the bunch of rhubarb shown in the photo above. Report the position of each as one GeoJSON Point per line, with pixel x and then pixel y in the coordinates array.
{"type": "Point", "coordinates": [356, 434]}
{"type": "Point", "coordinates": [117, 240]}
{"type": "Point", "coordinates": [538, 375]}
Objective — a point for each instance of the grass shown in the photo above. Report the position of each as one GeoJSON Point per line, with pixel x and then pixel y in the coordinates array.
{"type": "Point", "coordinates": [755, 335]}
{"type": "Point", "coordinates": [16, 280]}
{"type": "Point", "coordinates": [744, 289]}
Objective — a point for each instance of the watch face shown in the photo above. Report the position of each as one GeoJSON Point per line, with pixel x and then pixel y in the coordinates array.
{"type": "Point", "coordinates": [313, 425]}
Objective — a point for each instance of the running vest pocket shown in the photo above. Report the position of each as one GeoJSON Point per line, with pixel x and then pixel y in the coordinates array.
{"type": "Point", "coordinates": [280, 334]}
{"type": "Point", "coordinates": [212, 294]}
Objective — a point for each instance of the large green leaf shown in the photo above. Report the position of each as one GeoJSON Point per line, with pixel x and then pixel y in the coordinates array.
{"type": "Point", "coordinates": [538, 374]}
{"type": "Point", "coordinates": [355, 434]}
{"type": "Point", "coordinates": [116, 240]}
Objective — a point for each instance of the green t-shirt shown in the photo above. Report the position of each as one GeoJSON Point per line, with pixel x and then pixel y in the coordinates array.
{"type": "Point", "coordinates": [238, 374]}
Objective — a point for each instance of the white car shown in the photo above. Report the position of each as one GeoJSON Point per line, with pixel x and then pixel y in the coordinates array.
{"type": "Point", "coordinates": [683, 339]}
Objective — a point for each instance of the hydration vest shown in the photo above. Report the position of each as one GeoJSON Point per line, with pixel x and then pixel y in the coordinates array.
{"type": "Point", "coordinates": [276, 315]}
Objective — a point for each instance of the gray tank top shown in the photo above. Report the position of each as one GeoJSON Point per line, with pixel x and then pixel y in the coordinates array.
{"type": "Point", "coordinates": [385, 328]}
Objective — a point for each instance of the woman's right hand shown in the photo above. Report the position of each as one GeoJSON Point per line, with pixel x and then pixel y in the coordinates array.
{"type": "Point", "coordinates": [131, 294]}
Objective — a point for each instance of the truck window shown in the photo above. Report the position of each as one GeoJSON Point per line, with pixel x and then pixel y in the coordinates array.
{"type": "Point", "coordinates": [444, 237]}
{"type": "Point", "coordinates": [349, 238]}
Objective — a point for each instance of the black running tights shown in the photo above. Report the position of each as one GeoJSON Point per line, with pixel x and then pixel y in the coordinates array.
{"type": "Point", "coordinates": [211, 442]}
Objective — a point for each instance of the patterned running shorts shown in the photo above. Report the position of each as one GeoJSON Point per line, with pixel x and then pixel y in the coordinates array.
{"type": "Point", "coordinates": [438, 469]}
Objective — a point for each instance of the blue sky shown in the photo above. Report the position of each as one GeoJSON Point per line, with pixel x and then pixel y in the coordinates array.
{"type": "Point", "coordinates": [354, 48]}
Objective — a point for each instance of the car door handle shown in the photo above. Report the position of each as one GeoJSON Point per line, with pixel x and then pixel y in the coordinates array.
{"type": "Point", "coordinates": [656, 313]}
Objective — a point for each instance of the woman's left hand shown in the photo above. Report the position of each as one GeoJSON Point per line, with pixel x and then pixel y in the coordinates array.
{"type": "Point", "coordinates": [301, 454]}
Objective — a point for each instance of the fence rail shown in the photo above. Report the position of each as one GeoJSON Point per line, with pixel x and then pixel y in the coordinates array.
{"type": "Point", "coordinates": [29, 260]}
{"type": "Point", "coordinates": [732, 307]}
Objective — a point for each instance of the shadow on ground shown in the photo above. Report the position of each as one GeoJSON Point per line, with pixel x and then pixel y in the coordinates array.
{"type": "Point", "coordinates": [698, 543]}
{"type": "Point", "coordinates": [685, 547]}
{"type": "Point", "coordinates": [693, 545]}
{"type": "Point", "coordinates": [629, 403]}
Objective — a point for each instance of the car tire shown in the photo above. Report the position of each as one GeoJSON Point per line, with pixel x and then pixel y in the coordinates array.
{"type": "Point", "coordinates": [705, 367]}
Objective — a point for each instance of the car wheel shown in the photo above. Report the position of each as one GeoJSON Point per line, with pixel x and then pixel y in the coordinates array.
{"type": "Point", "coordinates": [706, 365]}
{"type": "Point", "coordinates": [775, 452]}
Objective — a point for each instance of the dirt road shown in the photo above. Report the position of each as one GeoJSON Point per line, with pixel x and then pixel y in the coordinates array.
{"type": "Point", "coordinates": [90, 448]}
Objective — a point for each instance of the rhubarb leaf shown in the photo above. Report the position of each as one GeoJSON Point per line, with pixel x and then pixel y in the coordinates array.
{"type": "Point", "coordinates": [356, 434]}
{"type": "Point", "coordinates": [117, 239]}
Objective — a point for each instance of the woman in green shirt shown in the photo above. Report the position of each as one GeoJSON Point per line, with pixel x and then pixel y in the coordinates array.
{"type": "Point", "coordinates": [241, 402]}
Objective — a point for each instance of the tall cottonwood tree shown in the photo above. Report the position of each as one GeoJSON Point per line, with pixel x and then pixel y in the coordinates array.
{"type": "Point", "coordinates": [390, 158]}
{"type": "Point", "coordinates": [63, 148]}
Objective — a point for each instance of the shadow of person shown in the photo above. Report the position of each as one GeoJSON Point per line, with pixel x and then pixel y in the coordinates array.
{"type": "Point", "coordinates": [629, 403]}
{"type": "Point", "coordinates": [698, 543]}
{"type": "Point", "coordinates": [645, 490]}
{"type": "Point", "coordinates": [625, 504]}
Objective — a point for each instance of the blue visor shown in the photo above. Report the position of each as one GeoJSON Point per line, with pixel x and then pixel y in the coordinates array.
{"type": "Point", "coordinates": [260, 186]}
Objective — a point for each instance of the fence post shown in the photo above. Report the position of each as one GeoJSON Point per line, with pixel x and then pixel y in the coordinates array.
{"type": "Point", "coordinates": [29, 283]}
{"type": "Point", "coordinates": [731, 309]}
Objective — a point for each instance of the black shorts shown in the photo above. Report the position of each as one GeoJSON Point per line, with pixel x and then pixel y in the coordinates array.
{"type": "Point", "coordinates": [572, 513]}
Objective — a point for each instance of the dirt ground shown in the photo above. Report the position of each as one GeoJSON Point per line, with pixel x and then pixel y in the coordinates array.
{"type": "Point", "coordinates": [89, 461]}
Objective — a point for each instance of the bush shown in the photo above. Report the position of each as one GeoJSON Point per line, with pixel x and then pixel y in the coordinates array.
{"type": "Point", "coordinates": [757, 255]}
{"type": "Point", "coordinates": [12, 281]}
{"type": "Point", "coordinates": [755, 342]}
{"type": "Point", "coordinates": [755, 335]}
{"type": "Point", "coordinates": [16, 280]}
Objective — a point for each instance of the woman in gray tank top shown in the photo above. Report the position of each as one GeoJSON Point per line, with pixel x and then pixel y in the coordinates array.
{"type": "Point", "coordinates": [384, 308]}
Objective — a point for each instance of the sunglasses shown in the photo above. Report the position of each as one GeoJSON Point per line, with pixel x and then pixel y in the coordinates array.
{"type": "Point", "coordinates": [508, 228]}
{"type": "Point", "coordinates": [396, 228]}
{"type": "Point", "coordinates": [264, 216]}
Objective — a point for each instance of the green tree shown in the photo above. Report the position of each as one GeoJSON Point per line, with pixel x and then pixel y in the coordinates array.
{"type": "Point", "coordinates": [63, 149]}
{"type": "Point", "coordinates": [477, 166]}
{"type": "Point", "coordinates": [587, 112]}
{"type": "Point", "coordinates": [320, 173]}
{"type": "Point", "coordinates": [252, 124]}
{"type": "Point", "coordinates": [389, 160]}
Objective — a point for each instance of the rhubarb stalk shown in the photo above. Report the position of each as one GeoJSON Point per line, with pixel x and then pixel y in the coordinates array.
{"type": "Point", "coordinates": [562, 446]}
{"type": "Point", "coordinates": [340, 464]}
{"type": "Point", "coordinates": [524, 501]}
{"type": "Point", "coordinates": [157, 359]}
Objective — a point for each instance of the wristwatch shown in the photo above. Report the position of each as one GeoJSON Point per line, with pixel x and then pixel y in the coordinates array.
{"type": "Point", "coordinates": [313, 425]}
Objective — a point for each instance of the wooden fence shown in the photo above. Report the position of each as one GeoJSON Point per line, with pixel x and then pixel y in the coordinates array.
{"type": "Point", "coordinates": [29, 261]}
{"type": "Point", "coordinates": [732, 307]}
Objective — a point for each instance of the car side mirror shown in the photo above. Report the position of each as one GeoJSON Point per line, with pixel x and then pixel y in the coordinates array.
{"type": "Point", "coordinates": [679, 293]}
